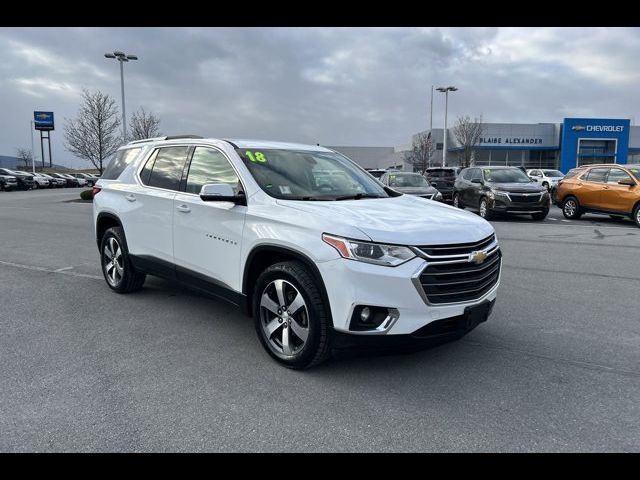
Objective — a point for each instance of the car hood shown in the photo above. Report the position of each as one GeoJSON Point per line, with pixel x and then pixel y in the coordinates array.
{"type": "Point", "coordinates": [404, 220]}
{"type": "Point", "coordinates": [416, 190]}
{"type": "Point", "coordinates": [517, 187]}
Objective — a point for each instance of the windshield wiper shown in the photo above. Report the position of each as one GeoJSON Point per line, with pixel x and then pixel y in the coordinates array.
{"type": "Point", "coordinates": [357, 196]}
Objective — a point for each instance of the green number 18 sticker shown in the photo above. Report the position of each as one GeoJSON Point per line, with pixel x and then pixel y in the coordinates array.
{"type": "Point", "coordinates": [256, 157]}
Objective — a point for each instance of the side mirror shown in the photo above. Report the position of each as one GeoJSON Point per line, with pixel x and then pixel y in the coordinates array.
{"type": "Point", "coordinates": [627, 181]}
{"type": "Point", "coordinates": [221, 192]}
{"type": "Point", "coordinates": [477, 180]}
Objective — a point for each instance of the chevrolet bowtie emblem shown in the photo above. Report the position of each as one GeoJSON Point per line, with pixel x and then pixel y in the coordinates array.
{"type": "Point", "coordinates": [42, 115]}
{"type": "Point", "coordinates": [477, 257]}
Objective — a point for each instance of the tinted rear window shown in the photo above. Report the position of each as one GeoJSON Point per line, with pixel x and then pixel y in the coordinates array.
{"type": "Point", "coordinates": [121, 161]}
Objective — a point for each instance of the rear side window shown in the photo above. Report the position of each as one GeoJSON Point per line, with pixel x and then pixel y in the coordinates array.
{"type": "Point", "coordinates": [597, 175]}
{"type": "Point", "coordinates": [573, 172]}
{"type": "Point", "coordinates": [164, 168]}
{"type": "Point", "coordinates": [121, 161]}
{"type": "Point", "coordinates": [467, 174]}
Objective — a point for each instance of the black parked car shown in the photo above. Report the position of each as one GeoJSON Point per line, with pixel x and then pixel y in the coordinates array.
{"type": "Point", "coordinates": [443, 178]}
{"type": "Point", "coordinates": [71, 182]}
{"type": "Point", "coordinates": [493, 190]}
{"type": "Point", "coordinates": [8, 182]}
{"type": "Point", "coordinates": [25, 181]}
{"type": "Point", "coordinates": [411, 184]}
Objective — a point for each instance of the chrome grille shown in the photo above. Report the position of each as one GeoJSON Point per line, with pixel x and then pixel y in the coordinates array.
{"type": "Point", "coordinates": [520, 198]}
{"type": "Point", "coordinates": [450, 277]}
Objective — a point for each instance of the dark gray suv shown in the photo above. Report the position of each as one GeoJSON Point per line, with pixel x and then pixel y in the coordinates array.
{"type": "Point", "coordinates": [491, 190]}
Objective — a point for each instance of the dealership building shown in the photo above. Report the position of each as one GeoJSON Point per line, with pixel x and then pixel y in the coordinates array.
{"type": "Point", "coordinates": [562, 146]}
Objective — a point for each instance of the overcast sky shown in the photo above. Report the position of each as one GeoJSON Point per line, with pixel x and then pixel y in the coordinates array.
{"type": "Point", "coordinates": [333, 86]}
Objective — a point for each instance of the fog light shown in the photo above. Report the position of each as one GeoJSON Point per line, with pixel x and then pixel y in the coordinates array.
{"type": "Point", "coordinates": [365, 314]}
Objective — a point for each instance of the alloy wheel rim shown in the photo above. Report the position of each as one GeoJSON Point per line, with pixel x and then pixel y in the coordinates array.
{"type": "Point", "coordinates": [112, 261]}
{"type": "Point", "coordinates": [638, 216]}
{"type": "Point", "coordinates": [570, 208]}
{"type": "Point", "coordinates": [284, 318]}
{"type": "Point", "coordinates": [483, 208]}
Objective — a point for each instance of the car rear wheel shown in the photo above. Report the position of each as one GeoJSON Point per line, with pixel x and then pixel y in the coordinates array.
{"type": "Point", "coordinates": [117, 268]}
{"type": "Point", "coordinates": [636, 215]}
{"type": "Point", "coordinates": [456, 201]}
{"type": "Point", "coordinates": [571, 208]}
{"type": "Point", "coordinates": [291, 318]}
{"type": "Point", "coordinates": [484, 210]}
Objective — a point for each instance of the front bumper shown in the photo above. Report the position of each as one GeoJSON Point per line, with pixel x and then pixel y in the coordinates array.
{"type": "Point", "coordinates": [502, 204]}
{"type": "Point", "coordinates": [350, 283]}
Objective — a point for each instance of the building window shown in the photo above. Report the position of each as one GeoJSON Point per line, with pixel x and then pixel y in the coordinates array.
{"type": "Point", "coordinates": [498, 157]}
{"type": "Point", "coordinates": [515, 158]}
{"type": "Point", "coordinates": [439, 146]}
{"type": "Point", "coordinates": [481, 157]}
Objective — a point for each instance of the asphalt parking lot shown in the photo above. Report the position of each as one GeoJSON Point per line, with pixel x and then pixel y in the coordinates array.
{"type": "Point", "coordinates": [556, 367]}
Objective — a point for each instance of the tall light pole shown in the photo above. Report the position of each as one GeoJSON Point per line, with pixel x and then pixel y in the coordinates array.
{"type": "Point", "coordinates": [446, 91]}
{"type": "Point", "coordinates": [122, 57]}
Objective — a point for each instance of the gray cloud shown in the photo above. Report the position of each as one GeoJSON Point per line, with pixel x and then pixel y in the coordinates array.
{"type": "Point", "coordinates": [334, 86]}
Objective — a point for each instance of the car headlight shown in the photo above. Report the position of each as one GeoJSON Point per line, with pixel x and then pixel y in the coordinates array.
{"type": "Point", "coordinates": [376, 253]}
{"type": "Point", "coordinates": [501, 194]}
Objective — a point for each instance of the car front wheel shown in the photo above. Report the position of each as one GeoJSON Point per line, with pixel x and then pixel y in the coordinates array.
{"type": "Point", "coordinates": [484, 210]}
{"type": "Point", "coordinates": [291, 318]}
{"type": "Point", "coordinates": [636, 215]}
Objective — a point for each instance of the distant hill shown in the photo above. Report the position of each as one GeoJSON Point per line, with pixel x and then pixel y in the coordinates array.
{"type": "Point", "coordinates": [15, 163]}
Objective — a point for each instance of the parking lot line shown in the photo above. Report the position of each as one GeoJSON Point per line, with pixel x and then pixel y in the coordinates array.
{"type": "Point", "coordinates": [63, 271]}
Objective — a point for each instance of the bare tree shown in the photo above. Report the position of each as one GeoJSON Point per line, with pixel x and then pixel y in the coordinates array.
{"type": "Point", "coordinates": [25, 155]}
{"type": "Point", "coordinates": [467, 133]}
{"type": "Point", "coordinates": [420, 153]}
{"type": "Point", "coordinates": [143, 125]}
{"type": "Point", "coordinates": [93, 135]}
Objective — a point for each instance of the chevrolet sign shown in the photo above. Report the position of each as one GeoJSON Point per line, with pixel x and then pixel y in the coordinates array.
{"type": "Point", "coordinates": [43, 120]}
{"type": "Point", "coordinates": [598, 128]}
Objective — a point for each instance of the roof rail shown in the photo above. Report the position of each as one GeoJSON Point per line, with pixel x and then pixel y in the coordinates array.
{"type": "Point", "coordinates": [230, 142]}
{"type": "Point", "coordinates": [157, 139]}
{"type": "Point", "coordinates": [175, 137]}
{"type": "Point", "coordinates": [144, 140]}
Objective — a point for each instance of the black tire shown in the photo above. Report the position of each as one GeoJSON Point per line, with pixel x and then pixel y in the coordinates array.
{"type": "Point", "coordinates": [457, 202]}
{"type": "Point", "coordinates": [317, 346]}
{"type": "Point", "coordinates": [130, 280]}
{"type": "Point", "coordinates": [540, 216]}
{"type": "Point", "coordinates": [485, 213]}
{"type": "Point", "coordinates": [572, 213]}
{"type": "Point", "coordinates": [636, 215]}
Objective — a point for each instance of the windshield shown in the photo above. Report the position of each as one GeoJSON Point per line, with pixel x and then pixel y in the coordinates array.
{"type": "Point", "coordinates": [407, 180]}
{"type": "Point", "coordinates": [506, 175]}
{"type": "Point", "coordinates": [553, 173]}
{"type": "Point", "coordinates": [302, 175]}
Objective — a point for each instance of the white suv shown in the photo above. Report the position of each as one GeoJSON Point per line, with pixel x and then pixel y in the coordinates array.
{"type": "Point", "coordinates": [546, 177]}
{"type": "Point", "coordinates": [320, 261]}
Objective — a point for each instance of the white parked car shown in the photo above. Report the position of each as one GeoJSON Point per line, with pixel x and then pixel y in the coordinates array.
{"type": "Point", "coordinates": [319, 262]}
{"type": "Point", "coordinates": [38, 180]}
{"type": "Point", "coordinates": [546, 177]}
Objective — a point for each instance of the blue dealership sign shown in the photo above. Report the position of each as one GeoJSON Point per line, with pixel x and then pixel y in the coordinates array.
{"type": "Point", "coordinates": [593, 140]}
{"type": "Point", "coordinates": [43, 120]}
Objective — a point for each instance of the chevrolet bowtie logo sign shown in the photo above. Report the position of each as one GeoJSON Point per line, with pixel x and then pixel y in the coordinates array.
{"type": "Point", "coordinates": [43, 120]}
{"type": "Point", "coordinates": [578, 128]}
{"type": "Point", "coordinates": [477, 256]}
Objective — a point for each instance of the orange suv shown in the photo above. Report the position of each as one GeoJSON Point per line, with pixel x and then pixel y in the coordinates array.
{"type": "Point", "coordinates": [609, 189]}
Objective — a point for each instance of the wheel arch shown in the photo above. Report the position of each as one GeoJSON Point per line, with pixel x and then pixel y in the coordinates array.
{"type": "Point", "coordinates": [263, 256]}
{"type": "Point", "coordinates": [105, 221]}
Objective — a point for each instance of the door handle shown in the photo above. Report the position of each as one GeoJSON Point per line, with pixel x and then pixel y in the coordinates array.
{"type": "Point", "coordinates": [183, 208]}
{"type": "Point", "coordinates": [605, 187]}
{"type": "Point", "coordinates": [131, 197]}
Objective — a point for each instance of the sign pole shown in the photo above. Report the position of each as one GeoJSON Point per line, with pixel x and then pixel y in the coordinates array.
{"type": "Point", "coordinates": [33, 154]}
{"type": "Point", "coordinates": [42, 148]}
{"type": "Point", "coordinates": [49, 143]}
